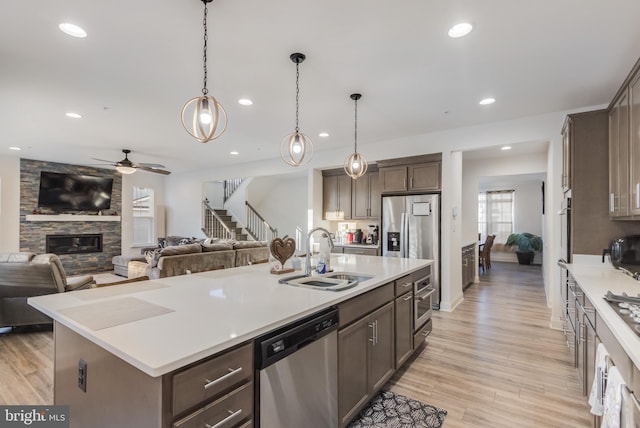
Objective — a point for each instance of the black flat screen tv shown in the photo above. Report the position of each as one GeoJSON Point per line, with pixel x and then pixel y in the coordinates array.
{"type": "Point", "coordinates": [72, 192]}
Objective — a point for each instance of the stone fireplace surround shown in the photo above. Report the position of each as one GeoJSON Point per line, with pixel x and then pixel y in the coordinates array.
{"type": "Point", "coordinates": [33, 233]}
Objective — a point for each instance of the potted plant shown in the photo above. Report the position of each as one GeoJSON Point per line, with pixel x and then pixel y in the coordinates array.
{"type": "Point", "coordinates": [527, 243]}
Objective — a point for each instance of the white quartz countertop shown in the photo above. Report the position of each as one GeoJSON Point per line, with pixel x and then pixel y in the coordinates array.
{"type": "Point", "coordinates": [205, 313]}
{"type": "Point", "coordinates": [595, 280]}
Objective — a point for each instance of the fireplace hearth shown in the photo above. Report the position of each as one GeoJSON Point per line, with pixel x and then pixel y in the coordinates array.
{"type": "Point", "coordinates": [74, 244]}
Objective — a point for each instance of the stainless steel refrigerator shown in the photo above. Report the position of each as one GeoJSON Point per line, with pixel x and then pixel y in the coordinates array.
{"type": "Point", "coordinates": [411, 228]}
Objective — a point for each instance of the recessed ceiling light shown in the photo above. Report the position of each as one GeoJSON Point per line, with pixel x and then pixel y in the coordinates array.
{"type": "Point", "coordinates": [505, 148]}
{"type": "Point", "coordinates": [461, 29]}
{"type": "Point", "coordinates": [245, 102]}
{"type": "Point", "coordinates": [323, 134]}
{"type": "Point", "coordinates": [15, 148]}
{"type": "Point", "coordinates": [72, 30]}
{"type": "Point", "coordinates": [73, 115]}
{"type": "Point", "coordinates": [487, 101]}
{"type": "Point", "coordinates": [235, 153]}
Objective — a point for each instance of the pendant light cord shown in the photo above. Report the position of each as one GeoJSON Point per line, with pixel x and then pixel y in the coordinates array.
{"type": "Point", "coordinates": [297, 93]}
{"type": "Point", "coordinates": [355, 138]}
{"type": "Point", "coordinates": [205, 91]}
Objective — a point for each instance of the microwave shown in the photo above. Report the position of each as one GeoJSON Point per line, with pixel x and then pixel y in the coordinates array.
{"type": "Point", "coordinates": [625, 253]}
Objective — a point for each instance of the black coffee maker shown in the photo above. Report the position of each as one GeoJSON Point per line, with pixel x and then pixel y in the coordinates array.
{"type": "Point", "coordinates": [357, 236]}
{"type": "Point", "coordinates": [374, 232]}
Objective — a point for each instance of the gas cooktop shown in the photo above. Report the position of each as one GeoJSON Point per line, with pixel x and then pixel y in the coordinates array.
{"type": "Point", "coordinates": [627, 307]}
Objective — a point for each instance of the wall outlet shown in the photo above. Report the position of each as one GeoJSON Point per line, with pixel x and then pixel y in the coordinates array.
{"type": "Point", "coordinates": [82, 375]}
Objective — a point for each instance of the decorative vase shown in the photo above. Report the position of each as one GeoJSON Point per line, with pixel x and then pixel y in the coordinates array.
{"type": "Point", "coordinates": [525, 258]}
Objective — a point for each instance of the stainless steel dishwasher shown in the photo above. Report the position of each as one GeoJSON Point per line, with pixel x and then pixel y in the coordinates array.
{"type": "Point", "coordinates": [297, 374]}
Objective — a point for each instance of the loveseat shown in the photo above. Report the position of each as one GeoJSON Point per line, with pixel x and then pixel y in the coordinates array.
{"type": "Point", "coordinates": [23, 275]}
{"type": "Point", "coordinates": [198, 257]}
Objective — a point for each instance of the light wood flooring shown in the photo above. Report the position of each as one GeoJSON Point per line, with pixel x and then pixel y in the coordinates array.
{"type": "Point", "coordinates": [494, 361]}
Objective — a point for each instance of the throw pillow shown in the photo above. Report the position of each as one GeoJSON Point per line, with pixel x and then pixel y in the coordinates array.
{"type": "Point", "coordinates": [181, 249]}
{"type": "Point", "coordinates": [152, 257]}
{"type": "Point", "coordinates": [217, 246]}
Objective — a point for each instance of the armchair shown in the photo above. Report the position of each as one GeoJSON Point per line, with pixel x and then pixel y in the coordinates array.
{"type": "Point", "coordinates": [23, 275]}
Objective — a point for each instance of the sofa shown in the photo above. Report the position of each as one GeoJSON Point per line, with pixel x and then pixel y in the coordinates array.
{"type": "Point", "coordinates": [24, 275]}
{"type": "Point", "coordinates": [196, 257]}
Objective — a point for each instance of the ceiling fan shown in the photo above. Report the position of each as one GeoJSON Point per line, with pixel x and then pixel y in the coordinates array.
{"type": "Point", "coordinates": [125, 166]}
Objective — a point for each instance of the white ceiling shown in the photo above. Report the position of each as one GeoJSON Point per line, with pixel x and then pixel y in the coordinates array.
{"type": "Point", "coordinates": [143, 59]}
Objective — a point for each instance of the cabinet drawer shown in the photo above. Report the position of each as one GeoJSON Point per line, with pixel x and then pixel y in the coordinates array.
{"type": "Point", "coordinates": [211, 378]}
{"type": "Point", "coordinates": [420, 336]}
{"type": "Point", "coordinates": [232, 410]}
{"type": "Point", "coordinates": [404, 284]}
{"type": "Point", "coordinates": [360, 306]}
{"type": "Point", "coordinates": [361, 251]}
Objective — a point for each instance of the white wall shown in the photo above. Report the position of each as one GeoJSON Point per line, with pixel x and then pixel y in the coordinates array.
{"type": "Point", "coordinates": [281, 200]}
{"type": "Point", "coordinates": [214, 191]}
{"type": "Point", "coordinates": [9, 204]}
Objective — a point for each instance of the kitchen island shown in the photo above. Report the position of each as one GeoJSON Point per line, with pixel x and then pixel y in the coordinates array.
{"type": "Point", "coordinates": [124, 353]}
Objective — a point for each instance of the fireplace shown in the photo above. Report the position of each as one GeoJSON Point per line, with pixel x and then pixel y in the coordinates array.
{"type": "Point", "coordinates": [74, 244]}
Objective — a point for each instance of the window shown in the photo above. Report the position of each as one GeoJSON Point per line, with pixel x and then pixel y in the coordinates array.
{"type": "Point", "coordinates": [143, 216]}
{"type": "Point", "coordinates": [495, 214]}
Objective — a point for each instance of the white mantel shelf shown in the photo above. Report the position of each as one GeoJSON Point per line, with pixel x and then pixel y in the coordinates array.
{"type": "Point", "coordinates": [71, 217]}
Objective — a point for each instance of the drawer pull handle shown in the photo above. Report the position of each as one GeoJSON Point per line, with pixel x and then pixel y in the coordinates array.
{"type": "Point", "coordinates": [421, 298]}
{"type": "Point", "coordinates": [426, 333]}
{"type": "Point", "coordinates": [407, 284]}
{"type": "Point", "coordinates": [225, 420]}
{"type": "Point", "coordinates": [408, 298]}
{"type": "Point", "coordinates": [211, 383]}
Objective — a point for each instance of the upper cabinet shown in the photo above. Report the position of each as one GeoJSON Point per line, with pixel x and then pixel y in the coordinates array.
{"type": "Point", "coordinates": [566, 155]}
{"type": "Point", "coordinates": [366, 196]}
{"type": "Point", "coordinates": [410, 174]}
{"type": "Point", "coordinates": [336, 197]}
{"type": "Point", "coordinates": [624, 150]}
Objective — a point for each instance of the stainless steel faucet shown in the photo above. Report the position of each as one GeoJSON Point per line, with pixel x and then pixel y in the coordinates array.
{"type": "Point", "coordinates": [307, 266]}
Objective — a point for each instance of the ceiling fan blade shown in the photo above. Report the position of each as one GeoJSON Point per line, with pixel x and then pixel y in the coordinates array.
{"type": "Point", "coordinates": [156, 170]}
{"type": "Point", "coordinates": [150, 165]}
{"type": "Point", "coordinates": [104, 160]}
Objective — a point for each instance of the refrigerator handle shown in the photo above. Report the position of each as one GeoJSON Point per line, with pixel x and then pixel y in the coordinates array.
{"type": "Point", "coordinates": [402, 235]}
{"type": "Point", "coordinates": [405, 235]}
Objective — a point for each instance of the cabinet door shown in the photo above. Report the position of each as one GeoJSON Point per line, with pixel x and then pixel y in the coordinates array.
{"type": "Point", "coordinates": [634, 143]}
{"type": "Point", "coordinates": [329, 197]}
{"type": "Point", "coordinates": [393, 179]}
{"type": "Point", "coordinates": [404, 327]}
{"type": "Point", "coordinates": [360, 197]}
{"type": "Point", "coordinates": [619, 157]}
{"type": "Point", "coordinates": [344, 195]}
{"type": "Point", "coordinates": [375, 200]}
{"type": "Point", "coordinates": [362, 251]}
{"type": "Point", "coordinates": [591, 345]}
{"type": "Point", "coordinates": [353, 390]}
{"type": "Point", "coordinates": [381, 349]}
{"type": "Point", "coordinates": [424, 176]}
{"type": "Point", "coordinates": [566, 155]}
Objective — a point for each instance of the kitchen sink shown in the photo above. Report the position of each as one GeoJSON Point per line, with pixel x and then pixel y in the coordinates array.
{"type": "Point", "coordinates": [334, 281]}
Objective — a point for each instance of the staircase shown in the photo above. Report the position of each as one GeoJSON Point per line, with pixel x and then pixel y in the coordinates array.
{"type": "Point", "coordinates": [230, 225]}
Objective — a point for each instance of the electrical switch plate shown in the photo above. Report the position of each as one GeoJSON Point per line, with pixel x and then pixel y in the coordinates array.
{"type": "Point", "coordinates": [82, 375]}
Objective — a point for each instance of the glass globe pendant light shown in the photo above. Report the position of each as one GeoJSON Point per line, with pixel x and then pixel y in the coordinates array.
{"type": "Point", "coordinates": [297, 149]}
{"type": "Point", "coordinates": [355, 165]}
{"type": "Point", "coordinates": [203, 117]}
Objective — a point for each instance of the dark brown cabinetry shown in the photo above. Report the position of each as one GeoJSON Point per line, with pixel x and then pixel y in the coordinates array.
{"type": "Point", "coordinates": [361, 251]}
{"type": "Point", "coordinates": [365, 349]}
{"type": "Point", "coordinates": [366, 197]}
{"type": "Point", "coordinates": [410, 178]}
{"type": "Point", "coordinates": [468, 265]}
{"type": "Point", "coordinates": [404, 327]}
{"type": "Point", "coordinates": [336, 197]}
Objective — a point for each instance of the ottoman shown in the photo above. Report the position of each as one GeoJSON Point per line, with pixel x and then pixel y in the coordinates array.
{"type": "Point", "coordinates": [121, 264]}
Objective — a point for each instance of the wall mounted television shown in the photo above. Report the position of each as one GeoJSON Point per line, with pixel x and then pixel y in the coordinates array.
{"type": "Point", "coordinates": [74, 192]}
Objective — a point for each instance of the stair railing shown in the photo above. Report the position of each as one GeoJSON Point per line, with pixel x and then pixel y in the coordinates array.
{"type": "Point", "coordinates": [230, 186]}
{"type": "Point", "coordinates": [257, 227]}
{"type": "Point", "coordinates": [212, 224]}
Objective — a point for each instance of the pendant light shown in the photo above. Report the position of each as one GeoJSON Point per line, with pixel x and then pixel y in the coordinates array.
{"type": "Point", "coordinates": [297, 149]}
{"type": "Point", "coordinates": [355, 165]}
{"type": "Point", "coordinates": [203, 117]}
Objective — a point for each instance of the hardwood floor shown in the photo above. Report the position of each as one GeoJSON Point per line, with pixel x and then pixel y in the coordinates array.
{"type": "Point", "coordinates": [494, 361]}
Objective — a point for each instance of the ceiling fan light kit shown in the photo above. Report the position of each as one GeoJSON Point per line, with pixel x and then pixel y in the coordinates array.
{"type": "Point", "coordinates": [125, 166]}
{"type": "Point", "coordinates": [297, 148]}
{"type": "Point", "coordinates": [203, 117]}
{"type": "Point", "coordinates": [355, 165]}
